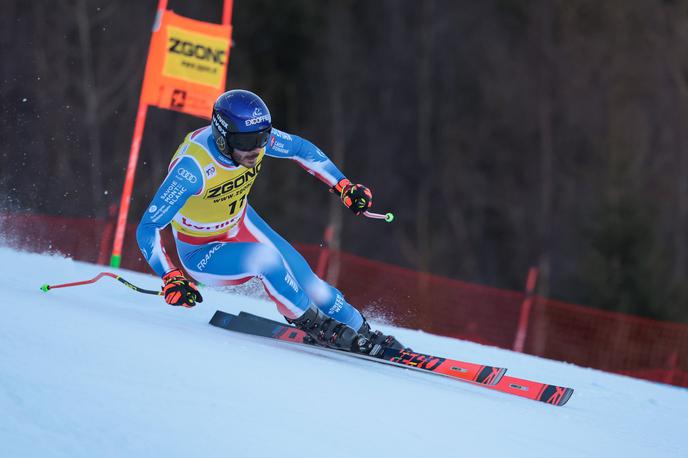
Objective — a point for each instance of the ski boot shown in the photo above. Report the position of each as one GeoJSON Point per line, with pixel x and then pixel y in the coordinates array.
{"type": "Point", "coordinates": [331, 333]}
{"type": "Point", "coordinates": [378, 340]}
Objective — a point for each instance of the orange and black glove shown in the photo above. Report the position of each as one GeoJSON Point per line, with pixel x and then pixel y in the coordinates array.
{"type": "Point", "coordinates": [356, 197]}
{"type": "Point", "coordinates": [180, 291]}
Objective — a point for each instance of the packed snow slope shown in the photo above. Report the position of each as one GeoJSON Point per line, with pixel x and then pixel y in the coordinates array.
{"type": "Point", "coordinates": [103, 371]}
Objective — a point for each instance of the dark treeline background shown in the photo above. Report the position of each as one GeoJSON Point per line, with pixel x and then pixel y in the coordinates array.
{"type": "Point", "coordinates": [503, 134]}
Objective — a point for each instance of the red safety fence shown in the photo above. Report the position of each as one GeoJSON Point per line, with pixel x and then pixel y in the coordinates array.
{"type": "Point", "coordinates": [614, 342]}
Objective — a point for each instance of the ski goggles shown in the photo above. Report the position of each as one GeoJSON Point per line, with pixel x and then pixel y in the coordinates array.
{"type": "Point", "coordinates": [248, 141]}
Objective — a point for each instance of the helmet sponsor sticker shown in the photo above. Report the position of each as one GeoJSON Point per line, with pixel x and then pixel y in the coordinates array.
{"type": "Point", "coordinates": [221, 143]}
{"type": "Point", "coordinates": [220, 124]}
{"type": "Point", "coordinates": [257, 120]}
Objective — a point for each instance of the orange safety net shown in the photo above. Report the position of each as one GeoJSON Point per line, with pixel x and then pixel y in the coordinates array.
{"type": "Point", "coordinates": [614, 342]}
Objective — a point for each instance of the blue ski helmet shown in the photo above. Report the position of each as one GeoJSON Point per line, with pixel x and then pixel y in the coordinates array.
{"type": "Point", "coordinates": [240, 120]}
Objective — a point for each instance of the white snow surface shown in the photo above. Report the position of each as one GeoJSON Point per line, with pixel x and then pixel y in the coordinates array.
{"type": "Point", "coordinates": [103, 371]}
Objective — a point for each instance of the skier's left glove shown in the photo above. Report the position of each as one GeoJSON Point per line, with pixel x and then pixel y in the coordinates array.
{"type": "Point", "coordinates": [356, 197]}
{"type": "Point", "coordinates": [180, 291]}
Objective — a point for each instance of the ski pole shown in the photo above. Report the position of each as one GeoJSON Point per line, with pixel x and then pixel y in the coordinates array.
{"type": "Point", "coordinates": [389, 217]}
{"type": "Point", "coordinates": [47, 287]}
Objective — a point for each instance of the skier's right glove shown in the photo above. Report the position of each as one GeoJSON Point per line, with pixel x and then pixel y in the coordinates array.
{"type": "Point", "coordinates": [180, 291]}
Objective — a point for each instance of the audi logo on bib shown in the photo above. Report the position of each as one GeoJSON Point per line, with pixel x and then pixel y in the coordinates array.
{"type": "Point", "coordinates": [188, 176]}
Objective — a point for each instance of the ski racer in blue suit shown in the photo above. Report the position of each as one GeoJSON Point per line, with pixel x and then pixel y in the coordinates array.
{"type": "Point", "coordinates": [221, 239]}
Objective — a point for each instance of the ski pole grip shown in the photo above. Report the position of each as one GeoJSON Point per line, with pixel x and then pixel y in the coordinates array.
{"type": "Point", "coordinates": [389, 217]}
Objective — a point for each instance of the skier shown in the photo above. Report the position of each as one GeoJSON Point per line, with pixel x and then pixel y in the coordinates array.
{"type": "Point", "coordinates": [220, 238]}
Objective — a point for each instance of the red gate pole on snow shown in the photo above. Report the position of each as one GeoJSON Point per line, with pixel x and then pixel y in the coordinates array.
{"type": "Point", "coordinates": [116, 258]}
{"type": "Point", "coordinates": [118, 242]}
{"type": "Point", "coordinates": [526, 305]}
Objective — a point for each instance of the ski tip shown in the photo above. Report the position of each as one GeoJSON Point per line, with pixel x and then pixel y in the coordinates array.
{"type": "Point", "coordinates": [555, 395]}
{"type": "Point", "coordinates": [568, 392]}
{"type": "Point", "coordinates": [45, 288]}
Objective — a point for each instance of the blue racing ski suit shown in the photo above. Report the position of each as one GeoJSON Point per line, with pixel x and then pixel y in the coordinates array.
{"type": "Point", "coordinates": [221, 239]}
